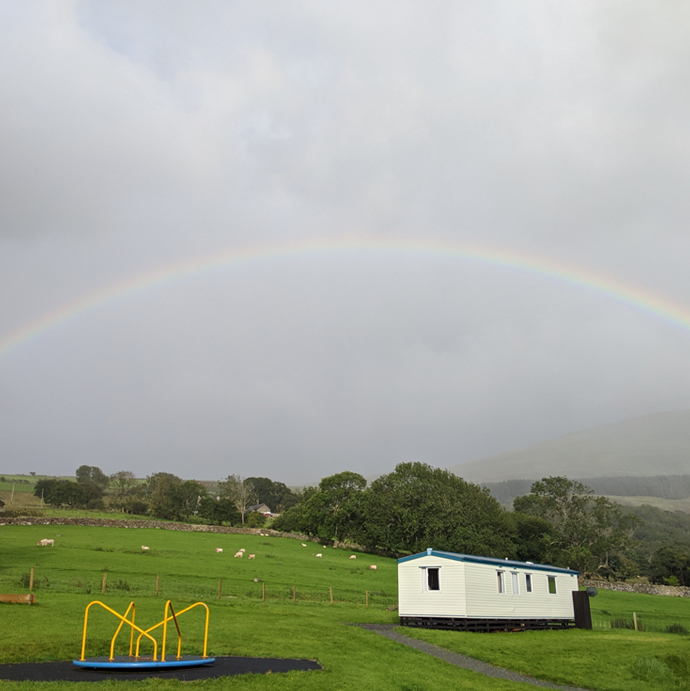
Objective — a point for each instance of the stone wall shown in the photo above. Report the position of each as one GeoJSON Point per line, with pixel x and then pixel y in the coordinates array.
{"type": "Point", "coordinates": [644, 588]}
{"type": "Point", "coordinates": [159, 525]}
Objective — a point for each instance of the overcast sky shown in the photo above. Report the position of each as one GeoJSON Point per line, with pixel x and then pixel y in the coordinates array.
{"type": "Point", "coordinates": [138, 135]}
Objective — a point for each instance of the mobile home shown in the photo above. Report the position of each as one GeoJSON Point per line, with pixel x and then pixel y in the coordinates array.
{"type": "Point", "coordinates": [460, 591]}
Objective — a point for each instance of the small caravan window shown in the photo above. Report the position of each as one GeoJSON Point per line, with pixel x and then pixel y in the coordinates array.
{"type": "Point", "coordinates": [501, 581]}
{"type": "Point", "coordinates": [515, 581]}
{"type": "Point", "coordinates": [528, 582]}
{"type": "Point", "coordinates": [431, 578]}
{"type": "Point", "coordinates": [552, 585]}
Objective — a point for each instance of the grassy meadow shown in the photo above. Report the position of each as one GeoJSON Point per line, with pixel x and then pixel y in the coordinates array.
{"type": "Point", "coordinates": [70, 575]}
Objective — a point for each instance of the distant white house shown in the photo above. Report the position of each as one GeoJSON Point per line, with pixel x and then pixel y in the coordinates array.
{"type": "Point", "coordinates": [260, 508]}
{"type": "Point", "coordinates": [460, 591]}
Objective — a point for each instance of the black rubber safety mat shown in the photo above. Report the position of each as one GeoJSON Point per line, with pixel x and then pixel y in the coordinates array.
{"type": "Point", "coordinates": [222, 667]}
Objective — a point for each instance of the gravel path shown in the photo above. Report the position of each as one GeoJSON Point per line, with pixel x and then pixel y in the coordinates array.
{"type": "Point", "coordinates": [393, 632]}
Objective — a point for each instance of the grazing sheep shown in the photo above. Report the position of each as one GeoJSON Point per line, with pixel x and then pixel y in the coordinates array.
{"type": "Point", "coordinates": [304, 544]}
{"type": "Point", "coordinates": [353, 556]}
{"type": "Point", "coordinates": [45, 542]}
{"type": "Point", "coordinates": [239, 554]}
{"type": "Point", "coordinates": [145, 548]}
{"type": "Point", "coordinates": [252, 556]}
{"type": "Point", "coordinates": [373, 567]}
{"type": "Point", "coordinates": [219, 550]}
{"type": "Point", "coordinates": [243, 550]}
{"type": "Point", "coordinates": [319, 555]}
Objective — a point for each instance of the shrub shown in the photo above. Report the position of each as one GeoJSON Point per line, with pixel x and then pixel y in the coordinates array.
{"type": "Point", "coordinates": [677, 628]}
{"type": "Point", "coordinates": [120, 585]}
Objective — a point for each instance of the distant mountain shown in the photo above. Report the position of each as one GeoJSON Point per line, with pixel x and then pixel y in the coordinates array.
{"type": "Point", "coordinates": [657, 444]}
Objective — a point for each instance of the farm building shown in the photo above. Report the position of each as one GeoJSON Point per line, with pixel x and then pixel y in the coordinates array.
{"type": "Point", "coordinates": [459, 591]}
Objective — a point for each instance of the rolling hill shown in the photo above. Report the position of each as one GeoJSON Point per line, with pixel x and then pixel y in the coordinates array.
{"type": "Point", "coordinates": [657, 444]}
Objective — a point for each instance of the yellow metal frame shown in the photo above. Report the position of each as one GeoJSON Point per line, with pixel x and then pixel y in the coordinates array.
{"type": "Point", "coordinates": [130, 622]}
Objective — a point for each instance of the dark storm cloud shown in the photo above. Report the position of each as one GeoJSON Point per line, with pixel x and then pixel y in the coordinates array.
{"type": "Point", "coordinates": [136, 135]}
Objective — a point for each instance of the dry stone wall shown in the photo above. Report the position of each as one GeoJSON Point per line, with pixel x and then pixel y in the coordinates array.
{"type": "Point", "coordinates": [644, 588]}
{"type": "Point", "coordinates": [160, 525]}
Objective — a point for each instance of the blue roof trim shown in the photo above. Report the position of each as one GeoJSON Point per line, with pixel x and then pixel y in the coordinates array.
{"type": "Point", "coordinates": [493, 561]}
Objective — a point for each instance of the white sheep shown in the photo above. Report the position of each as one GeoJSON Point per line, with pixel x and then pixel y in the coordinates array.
{"type": "Point", "coordinates": [304, 544]}
{"type": "Point", "coordinates": [353, 556]}
{"type": "Point", "coordinates": [373, 567]}
{"type": "Point", "coordinates": [219, 550]}
{"type": "Point", "coordinates": [252, 556]}
{"type": "Point", "coordinates": [319, 555]}
{"type": "Point", "coordinates": [45, 542]}
{"type": "Point", "coordinates": [239, 554]}
{"type": "Point", "coordinates": [145, 548]}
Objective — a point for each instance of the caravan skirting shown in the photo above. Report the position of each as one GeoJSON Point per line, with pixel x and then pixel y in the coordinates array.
{"type": "Point", "coordinates": [486, 625]}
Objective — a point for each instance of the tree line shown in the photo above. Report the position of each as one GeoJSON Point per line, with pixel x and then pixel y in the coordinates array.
{"type": "Point", "coordinates": [559, 521]}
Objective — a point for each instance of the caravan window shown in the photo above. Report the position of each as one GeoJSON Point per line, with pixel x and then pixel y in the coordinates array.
{"type": "Point", "coordinates": [515, 579]}
{"type": "Point", "coordinates": [528, 582]}
{"type": "Point", "coordinates": [501, 581]}
{"type": "Point", "coordinates": [552, 585]}
{"type": "Point", "coordinates": [431, 578]}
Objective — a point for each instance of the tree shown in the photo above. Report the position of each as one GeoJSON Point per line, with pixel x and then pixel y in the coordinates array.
{"type": "Point", "coordinates": [61, 492]}
{"type": "Point", "coordinates": [124, 487]}
{"type": "Point", "coordinates": [535, 538]}
{"type": "Point", "coordinates": [591, 532]}
{"type": "Point", "coordinates": [334, 512]}
{"type": "Point", "coordinates": [278, 496]}
{"type": "Point", "coordinates": [91, 474]}
{"type": "Point", "coordinates": [671, 566]}
{"type": "Point", "coordinates": [218, 511]}
{"type": "Point", "coordinates": [417, 506]}
{"type": "Point", "coordinates": [240, 492]}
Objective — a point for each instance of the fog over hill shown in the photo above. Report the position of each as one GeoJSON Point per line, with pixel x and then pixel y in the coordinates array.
{"type": "Point", "coordinates": [657, 444]}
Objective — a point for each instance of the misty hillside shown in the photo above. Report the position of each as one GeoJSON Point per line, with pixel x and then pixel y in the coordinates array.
{"type": "Point", "coordinates": [668, 488]}
{"type": "Point", "coordinates": [657, 444]}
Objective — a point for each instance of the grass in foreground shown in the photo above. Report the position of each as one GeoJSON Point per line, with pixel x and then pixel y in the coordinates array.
{"type": "Point", "coordinates": [189, 569]}
{"type": "Point", "coordinates": [609, 660]}
{"type": "Point", "coordinates": [240, 623]}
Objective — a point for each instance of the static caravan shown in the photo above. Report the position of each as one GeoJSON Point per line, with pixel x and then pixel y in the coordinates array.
{"type": "Point", "coordinates": [459, 591]}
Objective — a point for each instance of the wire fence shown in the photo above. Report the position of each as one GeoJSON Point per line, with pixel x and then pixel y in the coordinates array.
{"type": "Point", "coordinates": [188, 587]}
{"type": "Point", "coordinates": [635, 623]}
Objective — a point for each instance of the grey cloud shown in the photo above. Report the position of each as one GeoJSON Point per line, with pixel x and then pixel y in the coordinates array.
{"type": "Point", "coordinates": [141, 135]}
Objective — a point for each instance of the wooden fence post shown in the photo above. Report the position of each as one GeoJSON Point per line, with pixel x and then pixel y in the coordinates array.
{"type": "Point", "coordinates": [294, 594]}
{"type": "Point", "coordinates": [31, 579]}
{"type": "Point", "coordinates": [105, 578]}
{"type": "Point", "coordinates": [635, 620]}
{"type": "Point", "coordinates": [263, 592]}
{"type": "Point", "coordinates": [158, 582]}
{"type": "Point", "coordinates": [330, 589]}
{"type": "Point", "coordinates": [367, 598]}
{"type": "Point", "coordinates": [220, 588]}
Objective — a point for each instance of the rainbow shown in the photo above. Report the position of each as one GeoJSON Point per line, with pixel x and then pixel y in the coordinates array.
{"type": "Point", "coordinates": [546, 268]}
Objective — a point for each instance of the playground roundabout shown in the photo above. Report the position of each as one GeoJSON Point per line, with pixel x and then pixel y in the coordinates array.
{"type": "Point", "coordinates": [134, 666]}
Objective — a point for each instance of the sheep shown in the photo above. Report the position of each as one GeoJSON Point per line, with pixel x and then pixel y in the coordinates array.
{"type": "Point", "coordinates": [243, 550]}
{"type": "Point", "coordinates": [252, 556]}
{"type": "Point", "coordinates": [373, 567]}
{"type": "Point", "coordinates": [319, 555]}
{"type": "Point", "coordinates": [239, 554]}
{"type": "Point", "coordinates": [353, 556]}
{"type": "Point", "coordinates": [45, 542]}
{"type": "Point", "coordinates": [219, 550]}
{"type": "Point", "coordinates": [304, 544]}
{"type": "Point", "coordinates": [145, 548]}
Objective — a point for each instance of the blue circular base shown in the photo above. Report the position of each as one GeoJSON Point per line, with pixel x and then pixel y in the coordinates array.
{"type": "Point", "coordinates": [141, 664]}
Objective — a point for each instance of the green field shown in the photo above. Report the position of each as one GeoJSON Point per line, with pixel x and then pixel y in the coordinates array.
{"type": "Point", "coordinates": [70, 575]}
